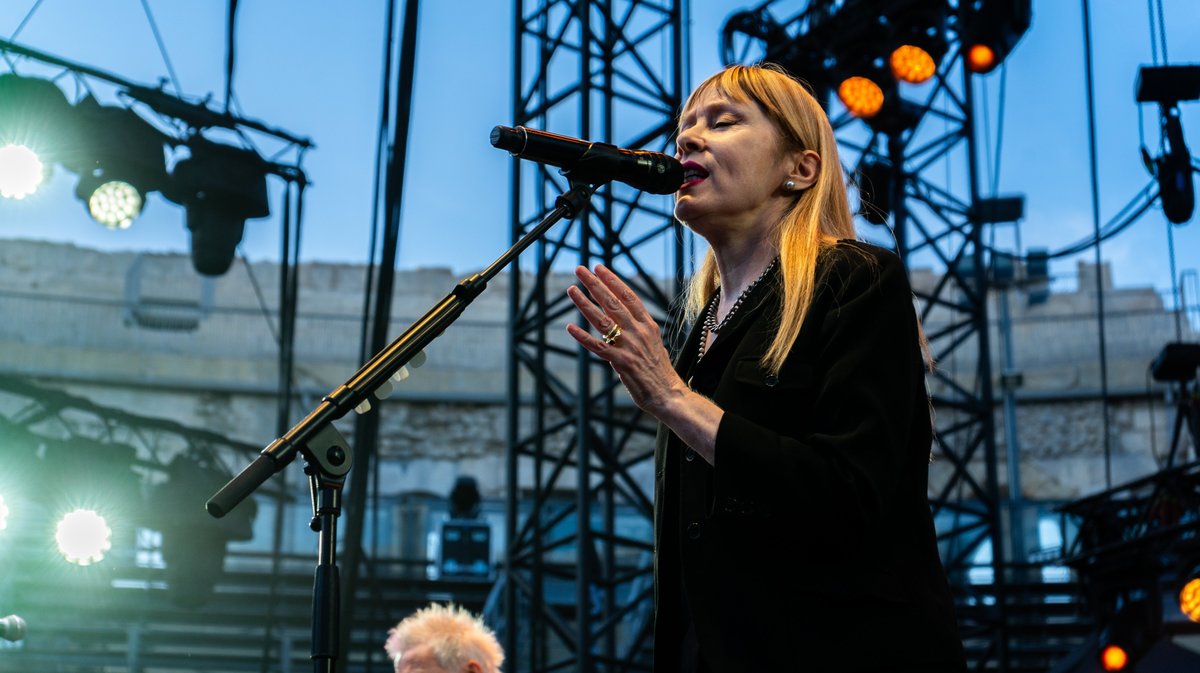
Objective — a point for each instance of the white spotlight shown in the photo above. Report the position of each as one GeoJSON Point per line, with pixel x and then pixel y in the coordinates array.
{"type": "Point", "coordinates": [20, 171]}
{"type": "Point", "coordinates": [83, 536]}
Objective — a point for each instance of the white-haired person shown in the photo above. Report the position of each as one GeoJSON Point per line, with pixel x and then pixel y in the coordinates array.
{"type": "Point", "coordinates": [443, 639]}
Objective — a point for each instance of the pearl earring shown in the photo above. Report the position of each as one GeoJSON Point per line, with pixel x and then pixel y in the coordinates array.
{"type": "Point", "coordinates": [789, 185]}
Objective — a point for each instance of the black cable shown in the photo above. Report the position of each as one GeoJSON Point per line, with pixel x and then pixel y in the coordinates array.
{"type": "Point", "coordinates": [987, 132]}
{"type": "Point", "coordinates": [1129, 214]}
{"type": "Point", "coordinates": [1153, 43]}
{"type": "Point", "coordinates": [1095, 182]}
{"type": "Point", "coordinates": [381, 154]}
{"type": "Point", "coordinates": [258, 294]}
{"type": "Point", "coordinates": [1158, 461]}
{"type": "Point", "coordinates": [1110, 230]}
{"type": "Point", "coordinates": [1174, 282]}
{"type": "Point", "coordinates": [1162, 32]}
{"type": "Point", "coordinates": [162, 46]}
{"type": "Point", "coordinates": [1000, 127]}
{"type": "Point", "coordinates": [230, 53]}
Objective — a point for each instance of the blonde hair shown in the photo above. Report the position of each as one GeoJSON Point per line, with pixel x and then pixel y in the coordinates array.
{"type": "Point", "coordinates": [817, 219]}
{"type": "Point", "coordinates": [453, 634]}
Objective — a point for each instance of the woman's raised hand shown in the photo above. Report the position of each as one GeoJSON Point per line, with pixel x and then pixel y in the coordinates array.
{"type": "Point", "coordinates": [629, 339]}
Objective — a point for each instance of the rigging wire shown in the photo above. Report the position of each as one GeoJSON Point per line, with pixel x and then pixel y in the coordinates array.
{"type": "Point", "coordinates": [1162, 33]}
{"type": "Point", "coordinates": [1174, 282]}
{"type": "Point", "coordinates": [1000, 105]}
{"type": "Point", "coordinates": [382, 152]}
{"type": "Point", "coordinates": [1153, 42]}
{"type": "Point", "coordinates": [230, 51]}
{"type": "Point", "coordinates": [1095, 184]}
{"type": "Point", "coordinates": [20, 26]}
{"type": "Point", "coordinates": [1156, 7]}
{"type": "Point", "coordinates": [162, 47]}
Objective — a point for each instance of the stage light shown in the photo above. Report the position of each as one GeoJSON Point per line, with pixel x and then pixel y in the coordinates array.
{"type": "Point", "coordinates": [119, 163]}
{"type": "Point", "coordinates": [36, 126]}
{"type": "Point", "coordinates": [221, 187]}
{"type": "Point", "coordinates": [912, 64]}
{"type": "Point", "coordinates": [993, 28]}
{"type": "Point", "coordinates": [1168, 86]}
{"type": "Point", "coordinates": [20, 171]}
{"type": "Point", "coordinates": [83, 536]}
{"type": "Point", "coordinates": [1131, 629]}
{"type": "Point", "coordinates": [1114, 658]}
{"type": "Point", "coordinates": [464, 498]}
{"type": "Point", "coordinates": [981, 59]}
{"type": "Point", "coordinates": [114, 204]}
{"type": "Point", "coordinates": [862, 97]}
{"type": "Point", "coordinates": [1189, 598]}
{"type": "Point", "coordinates": [1176, 177]}
{"type": "Point", "coordinates": [194, 543]}
{"type": "Point", "coordinates": [917, 39]}
{"type": "Point", "coordinates": [3, 513]}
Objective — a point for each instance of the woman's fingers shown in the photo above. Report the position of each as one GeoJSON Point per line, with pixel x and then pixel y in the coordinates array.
{"type": "Point", "coordinates": [609, 302]}
{"type": "Point", "coordinates": [622, 294]}
{"type": "Point", "coordinates": [586, 340]}
{"type": "Point", "coordinates": [592, 313]}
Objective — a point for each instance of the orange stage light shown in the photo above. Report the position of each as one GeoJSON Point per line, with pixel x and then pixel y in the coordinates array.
{"type": "Point", "coordinates": [981, 58]}
{"type": "Point", "coordinates": [1189, 599]}
{"type": "Point", "coordinates": [912, 64]}
{"type": "Point", "coordinates": [862, 97]}
{"type": "Point", "coordinates": [1113, 658]}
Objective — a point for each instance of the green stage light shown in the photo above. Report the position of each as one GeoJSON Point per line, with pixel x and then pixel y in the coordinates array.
{"type": "Point", "coordinates": [3, 513]}
{"type": "Point", "coordinates": [21, 172]}
{"type": "Point", "coordinates": [36, 128]}
{"type": "Point", "coordinates": [83, 536]}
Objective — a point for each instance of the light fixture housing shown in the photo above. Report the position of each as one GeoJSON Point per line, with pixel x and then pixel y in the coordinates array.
{"type": "Point", "coordinates": [993, 29]}
{"type": "Point", "coordinates": [918, 40]}
{"type": "Point", "coordinates": [120, 161]}
{"type": "Point", "coordinates": [221, 187]}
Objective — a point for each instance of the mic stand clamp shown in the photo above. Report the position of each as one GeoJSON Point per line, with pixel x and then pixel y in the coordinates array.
{"type": "Point", "coordinates": [326, 465]}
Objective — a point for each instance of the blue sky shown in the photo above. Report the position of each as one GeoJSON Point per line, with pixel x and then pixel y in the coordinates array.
{"type": "Point", "coordinates": [313, 69]}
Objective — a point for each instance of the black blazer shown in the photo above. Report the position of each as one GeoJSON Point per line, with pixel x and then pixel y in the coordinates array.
{"type": "Point", "coordinates": [817, 550]}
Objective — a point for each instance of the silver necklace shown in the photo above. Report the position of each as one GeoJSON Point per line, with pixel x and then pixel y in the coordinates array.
{"type": "Point", "coordinates": [710, 323]}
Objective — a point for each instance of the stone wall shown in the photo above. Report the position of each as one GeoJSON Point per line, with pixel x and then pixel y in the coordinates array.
{"type": "Point", "coordinates": [144, 334]}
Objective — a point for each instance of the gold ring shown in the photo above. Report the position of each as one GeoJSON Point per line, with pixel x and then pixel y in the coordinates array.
{"type": "Point", "coordinates": [613, 333]}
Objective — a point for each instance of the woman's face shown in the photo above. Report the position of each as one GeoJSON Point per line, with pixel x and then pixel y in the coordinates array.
{"type": "Point", "coordinates": [734, 167]}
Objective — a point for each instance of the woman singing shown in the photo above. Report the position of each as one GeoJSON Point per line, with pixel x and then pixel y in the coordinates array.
{"type": "Point", "coordinates": [792, 528]}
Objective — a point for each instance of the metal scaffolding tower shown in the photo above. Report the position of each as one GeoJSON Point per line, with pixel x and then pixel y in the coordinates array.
{"type": "Point", "coordinates": [578, 578]}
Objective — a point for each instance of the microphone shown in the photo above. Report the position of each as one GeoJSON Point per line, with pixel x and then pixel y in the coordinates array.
{"type": "Point", "coordinates": [590, 162]}
{"type": "Point", "coordinates": [12, 628]}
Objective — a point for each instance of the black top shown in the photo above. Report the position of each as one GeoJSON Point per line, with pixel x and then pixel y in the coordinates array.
{"type": "Point", "coordinates": [810, 545]}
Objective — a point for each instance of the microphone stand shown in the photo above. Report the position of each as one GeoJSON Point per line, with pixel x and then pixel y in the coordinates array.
{"type": "Point", "coordinates": [327, 455]}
